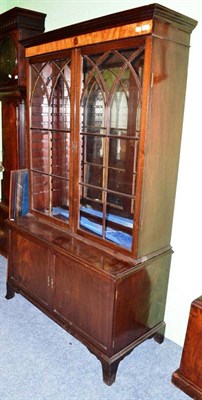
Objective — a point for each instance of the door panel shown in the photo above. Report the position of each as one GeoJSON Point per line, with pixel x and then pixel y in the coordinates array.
{"type": "Point", "coordinates": [83, 298]}
{"type": "Point", "coordinates": [30, 267]}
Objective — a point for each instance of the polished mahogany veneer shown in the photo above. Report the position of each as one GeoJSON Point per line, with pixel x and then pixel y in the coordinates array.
{"type": "Point", "coordinates": [91, 246]}
{"type": "Point", "coordinates": [188, 377]}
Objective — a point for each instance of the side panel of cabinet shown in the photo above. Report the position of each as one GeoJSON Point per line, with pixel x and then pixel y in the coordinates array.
{"type": "Point", "coordinates": [84, 299]}
{"type": "Point", "coordinates": [10, 144]}
{"type": "Point", "coordinates": [29, 266]}
{"type": "Point", "coordinates": [140, 302]}
{"type": "Point", "coordinates": [164, 126]}
{"type": "Point", "coordinates": [3, 229]}
{"type": "Point", "coordinates": [14, 147]}
{"type": "Point", "coordinates": [14, 155]}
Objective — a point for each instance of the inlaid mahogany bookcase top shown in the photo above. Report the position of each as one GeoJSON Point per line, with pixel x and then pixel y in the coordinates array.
{"type": "Point", "coordinates": [89, 241]}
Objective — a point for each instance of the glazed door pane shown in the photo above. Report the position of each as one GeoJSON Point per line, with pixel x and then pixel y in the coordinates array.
{"type": "Point", "coordinates": [50, 137]}
{"type": "Point", "coordinates": [110, 126]}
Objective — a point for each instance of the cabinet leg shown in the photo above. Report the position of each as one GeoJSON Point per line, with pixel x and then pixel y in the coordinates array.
{"type": "Point", "coordinates": [160, 334]}
{"type": "Point", "coordinates": [10, 291]}
{"type": "Point", "coordinates": [109, 371]}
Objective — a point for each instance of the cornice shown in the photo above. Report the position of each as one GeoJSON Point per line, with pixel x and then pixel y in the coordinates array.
{"type": "Point", "coordinates": [149, 12]}
{"type": "Point", "coordinates": [21, 18]}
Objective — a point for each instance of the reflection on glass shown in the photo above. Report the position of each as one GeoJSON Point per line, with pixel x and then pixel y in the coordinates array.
{"type": "Point", "coordinates": [40, 151]}
{"type": "Point", "coordinates": [106, 224]}
{"type": "Point", "coordinates": [40, 192]}
{"type": "Point", "coordinates": [60, 198]}
{"type": "Point", "coordinates": [60, 154]}
{"type": "Point", "coordinates": [91, 211]}
{"type": "Point", "coordinates": [94, 149]}
{"type": "Point", "coordinates": [50, 195]}
{"type": "Point", "coordinates": [93, 175]}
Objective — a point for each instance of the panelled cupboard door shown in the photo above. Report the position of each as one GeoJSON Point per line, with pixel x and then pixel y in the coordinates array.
{"type": "Point", "coordinates": [79, 294]}
{"type": "Point", "coordinates": [30, 268]}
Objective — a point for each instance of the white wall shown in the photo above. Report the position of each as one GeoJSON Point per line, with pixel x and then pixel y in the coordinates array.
{"type": "Point", "coordinates": [186, 269]}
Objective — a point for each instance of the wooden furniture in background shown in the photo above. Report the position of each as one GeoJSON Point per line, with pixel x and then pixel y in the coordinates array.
{"type": "Point", "coordinates": [106, 106]}
{"type": "Point", "coordinates": [189, 375]}
{"type": "Point", "coordinates": [15, 25]}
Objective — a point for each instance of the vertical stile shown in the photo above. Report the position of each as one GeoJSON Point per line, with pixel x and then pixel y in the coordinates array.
{"type": "Point", "coordinates": [29, 132]}
{"type": "Point", "coordinates": [141, 150]}
{"type": "Point", "coordinates": [75, 139]}
{"type": "Point", "coordinates": [105, 170]}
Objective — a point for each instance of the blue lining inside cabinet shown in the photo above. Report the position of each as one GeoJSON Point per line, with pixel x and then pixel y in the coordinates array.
{"type": "Point", "coordinates": [116, 236]}
{"type": "Point", "coordinates": [25, 197]}
{"type": "Point", "coordinates": [19, 194]}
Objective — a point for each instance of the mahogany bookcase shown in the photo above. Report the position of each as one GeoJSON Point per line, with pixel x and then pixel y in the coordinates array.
{"type": "Point", "coordinates": [106, 100]}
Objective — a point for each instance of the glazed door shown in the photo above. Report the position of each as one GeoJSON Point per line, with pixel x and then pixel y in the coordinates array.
{"type": "Point", "coordinates": [50, 137]}
{"type": "Point", "coordinates": [111, 103]}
